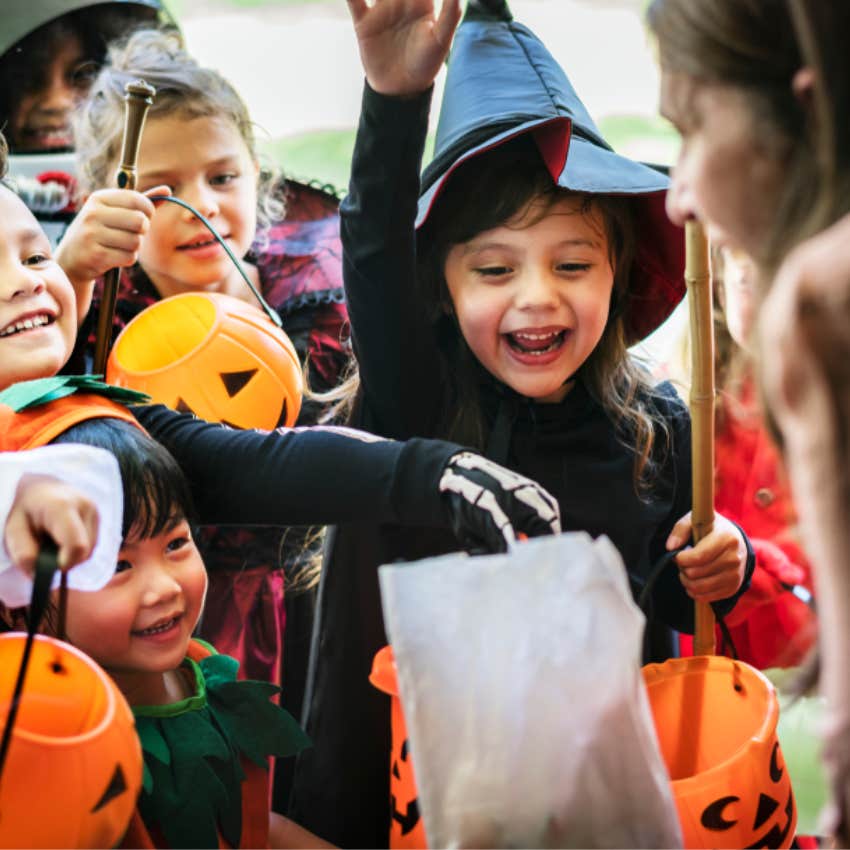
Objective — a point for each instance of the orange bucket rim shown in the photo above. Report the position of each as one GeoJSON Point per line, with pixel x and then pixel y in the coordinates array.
{"type": "Point", "coordinates": [763, 735]}
{"type": "Point", "coordinates": [102, 678]}
{"type": "Point", "coordinates": [114, 364]}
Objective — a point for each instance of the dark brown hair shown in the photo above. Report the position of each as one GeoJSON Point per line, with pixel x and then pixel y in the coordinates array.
{"type": "Point", "coordinates": [22, 67]}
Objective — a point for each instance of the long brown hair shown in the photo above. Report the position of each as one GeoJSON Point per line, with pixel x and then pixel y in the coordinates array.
{"type": "Point", "coordinates": [489, 191]}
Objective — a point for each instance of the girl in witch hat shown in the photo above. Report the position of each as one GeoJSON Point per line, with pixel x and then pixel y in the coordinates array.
{"type": "Point", "coordinates": [493, 301]}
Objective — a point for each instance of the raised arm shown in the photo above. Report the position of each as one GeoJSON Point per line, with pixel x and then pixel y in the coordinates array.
{"type": "Point", "coordinates": [403, 46]}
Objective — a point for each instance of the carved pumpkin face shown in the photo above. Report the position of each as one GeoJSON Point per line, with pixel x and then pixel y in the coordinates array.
{"type": "Point", "coordinates": [211, 355]}
{"type": "Point", "coordinates": [716, 722]}
{"type": "Point", "coordinates": [74, 765]}
{"type": "Point", "coordinates": [406, 827]}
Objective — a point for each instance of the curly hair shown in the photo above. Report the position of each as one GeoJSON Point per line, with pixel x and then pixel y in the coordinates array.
{"type": "Point", "coordinates": [183, 88]}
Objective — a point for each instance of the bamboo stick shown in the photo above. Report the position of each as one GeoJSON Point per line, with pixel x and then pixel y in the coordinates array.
{"type": "Point", "coordinates": [698, 283]}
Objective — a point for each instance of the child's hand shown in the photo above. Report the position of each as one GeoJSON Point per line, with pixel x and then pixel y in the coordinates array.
{"type": "Point", "coordinates": [105, 234]}
{"type": "Point", "coordinates": [44, 506]}
{"type": "Point", "coordinates": [714, 568]}
{"type": "Point", "coordinates": [402, 45]}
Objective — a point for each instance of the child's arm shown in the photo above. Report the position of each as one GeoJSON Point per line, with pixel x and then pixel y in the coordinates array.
{"type": "Point", "coordinates": [284, 832]}
{"type": "Point", "coordinates": [105, 234]}
{"type": "Point", "coordinates": [402, 49]}
{"type": "Point", "coordinates": [327, 476]}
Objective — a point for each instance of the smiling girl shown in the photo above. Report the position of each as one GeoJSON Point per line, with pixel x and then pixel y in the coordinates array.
{"type": "Point", "coordinates": [499, 313]}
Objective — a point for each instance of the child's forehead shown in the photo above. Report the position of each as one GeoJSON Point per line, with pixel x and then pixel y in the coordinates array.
{"type": "Point", "coordinates": [15, 217]}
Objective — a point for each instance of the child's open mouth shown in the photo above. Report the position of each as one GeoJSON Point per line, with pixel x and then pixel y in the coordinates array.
{"type": "Point", "coordinates": [200, 243]}
{"type": "Point", "coordinates": [536, 344]}
{"type": "Point", "coordinates": [28, 324]}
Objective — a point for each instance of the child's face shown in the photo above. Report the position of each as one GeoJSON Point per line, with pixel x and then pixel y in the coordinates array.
{"type": "Point", "coordinates": [532, 296]}
{"type": "Point", "coordinates": [42, 118]}
{"type": "Point", "coordinates": [206, 163]}
{"type": "Point", "coordinates": [38, 314]}
{"type": "Point", "coordinates": [140, 624]}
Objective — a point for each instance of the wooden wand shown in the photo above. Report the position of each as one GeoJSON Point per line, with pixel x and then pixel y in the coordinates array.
{"type": "Point", "coordinates": [698, 283]}
{"type": "Point", "coordinates": [138, 96]}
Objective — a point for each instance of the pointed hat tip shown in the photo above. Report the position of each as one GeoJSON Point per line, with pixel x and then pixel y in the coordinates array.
{"type": "Point", "coordinates": [488, 10]}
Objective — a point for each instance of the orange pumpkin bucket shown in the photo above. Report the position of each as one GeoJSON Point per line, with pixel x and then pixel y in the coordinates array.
{"type": "Point", "coordinates": [716, 722]}
{"type": "Point", "coordinates": [406, 827]}
{"type": "Point", "coordinates": [211, 355]}
{"type": "Point", "coordinates": [74, 765]}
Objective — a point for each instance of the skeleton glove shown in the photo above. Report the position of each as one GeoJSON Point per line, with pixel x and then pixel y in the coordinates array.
{"type": "Point", "coordinates": [489, 505]}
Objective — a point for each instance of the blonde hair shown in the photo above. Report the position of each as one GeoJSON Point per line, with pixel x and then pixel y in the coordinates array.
{"type": "Point", "coordinates": [183, 88]}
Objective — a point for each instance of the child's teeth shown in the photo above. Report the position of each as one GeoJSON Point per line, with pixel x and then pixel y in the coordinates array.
{"type": "Point", "coordinates": [24, 325]}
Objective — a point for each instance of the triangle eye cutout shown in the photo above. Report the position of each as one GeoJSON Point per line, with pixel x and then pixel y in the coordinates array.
{"type": "Point", "coordinates": [117, 786]}
{"type": "Point", "coordinates": [182, 407]}
{"type": "Point", "coordinates": [235, 381]}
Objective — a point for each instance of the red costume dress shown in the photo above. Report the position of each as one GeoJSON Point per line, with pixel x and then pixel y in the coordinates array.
{"type": "Point", "coordinates": [770, 626]}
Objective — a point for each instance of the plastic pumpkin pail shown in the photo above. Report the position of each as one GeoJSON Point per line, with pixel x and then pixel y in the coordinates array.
{"type": "Point", "coordinates": [406, 826]}
{"type": "Point", "coordinates": [716, 721]}
{"type": "Point", "coordinates": [73, 770]}
{"type": "Point", "coordinates": [212, 355]}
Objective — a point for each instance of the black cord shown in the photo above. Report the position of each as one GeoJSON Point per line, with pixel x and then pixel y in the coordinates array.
{"type": "Point", "coordinates": [45, 566]}
{"type": "Point", "coordinates": [271, 313]}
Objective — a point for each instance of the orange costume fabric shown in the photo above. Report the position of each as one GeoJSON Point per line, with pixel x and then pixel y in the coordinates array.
{"type": "Point", "coordinates": [37, 426]}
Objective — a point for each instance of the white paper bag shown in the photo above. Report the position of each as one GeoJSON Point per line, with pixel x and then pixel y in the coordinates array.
{"type": "Point", "coordinates": [520, 681]}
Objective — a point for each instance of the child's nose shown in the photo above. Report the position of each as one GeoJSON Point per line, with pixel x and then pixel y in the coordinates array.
{"type": "Point", "coordinates": [538, 291]}
{"type": "Point", "coordinates": [20, 283]}
{"type": "Point", "coordinates": [203, 199]}
{"type": "Point", "coordinates": [58, 95]}
{"type": "Point", "coordinates": [161, 587]}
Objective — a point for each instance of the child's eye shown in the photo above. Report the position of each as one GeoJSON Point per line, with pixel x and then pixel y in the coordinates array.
{"type": "Point", "coordinates": [574, 268]}
{"type": "Point", "coordinates": [123, 566]}
{"type": "Point", "coordinates": [492, 271]}
{"type": "Point", "coordinates": [223, 179]}
{"type": "Point", "coordinates": [177, 543]}
{"type": "Point", "coordinates": [37, 259]}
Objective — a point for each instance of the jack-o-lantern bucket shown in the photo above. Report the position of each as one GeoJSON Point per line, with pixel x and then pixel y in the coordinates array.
{"type": "Point", "coordinates": [73, 770]}
{"type": "Point", "coordinates": [214, 356]}
{"type": "Point", "coordinates": [716, 722]}
{"type": "Point", "coordinates": [406, 826]}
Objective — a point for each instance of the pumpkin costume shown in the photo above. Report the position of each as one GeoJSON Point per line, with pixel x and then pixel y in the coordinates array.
{"type": "Point", "coordinates": [206, 778]}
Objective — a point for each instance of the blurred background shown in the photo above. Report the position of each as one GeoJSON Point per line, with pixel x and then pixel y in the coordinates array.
{"type": "Point", "coordinates": [295, 62]}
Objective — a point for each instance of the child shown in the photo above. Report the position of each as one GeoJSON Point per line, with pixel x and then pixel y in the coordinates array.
{"type": "Point", "coordinates": [504, 322]}
{"type": "Point", "coordinates": [199, 139]}
{"type": "Point", "coordinates": [206, 740]}
{"type": "Point", "coordinates": [316, 475]}
{"type": "Point", "coordinates": [49, 60]}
